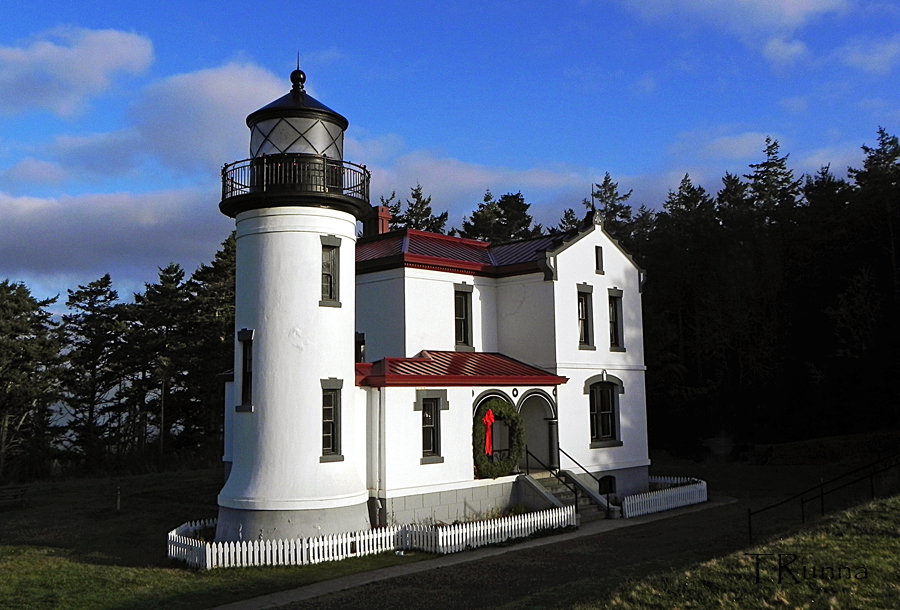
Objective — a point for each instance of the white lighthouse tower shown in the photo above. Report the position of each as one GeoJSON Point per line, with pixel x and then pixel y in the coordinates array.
{"type": "Point", "coordinates": [297, 444]}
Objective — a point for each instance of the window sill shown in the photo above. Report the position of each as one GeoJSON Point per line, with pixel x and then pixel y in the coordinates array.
{"type": "Point", "coordinates": [599, 272]}
{"type": "Point", "coordinates": [331, 457]}
{"type": "Point", "coordinates": [604, 444]}
{"type": "Point", "coordinates": [589, 348]}
{"type": "Point", "coordinates": [244, 409]}
{"type": "Point", "coordinates": [329, 303]}
{"type": "Point", "coordinates": [432, 459]}
{"type": "Point", "coordinates": [465, 348]}
{"type": "Point", "coordinates": [616, 349]}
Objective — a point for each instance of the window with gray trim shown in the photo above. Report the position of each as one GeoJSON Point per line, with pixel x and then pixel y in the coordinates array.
{"type": "Point", "coordinates": [431, 418]}
{"type": "Point", "coordinates": [603, 412]}
{"type": "Point", "coordinates": [245, 338]}
{"type": "Point", "coordinates": [598, 260]}
{"type": "Point", "coordinates": [331, 259]}
{"type": "Point", "coordinates": [462, 312]}
{"type": "Point", "coordinates": [431, 403]}
{"type": "Point", "coordinates": [585, 317]}
{"type": "Point", "coordinates": [331, 420]}
{"type": "Point", "coordinates": [616, 339]}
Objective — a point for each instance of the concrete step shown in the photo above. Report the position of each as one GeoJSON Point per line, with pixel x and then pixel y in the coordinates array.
{"type": "Point", "coordinates": [586, 507]}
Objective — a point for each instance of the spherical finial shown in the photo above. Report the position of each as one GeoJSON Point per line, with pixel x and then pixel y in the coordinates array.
{"type": "Point", "coordinates": [298, 78]}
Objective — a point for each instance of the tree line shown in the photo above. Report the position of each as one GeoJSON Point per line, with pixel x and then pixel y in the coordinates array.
{"type": "Point", "coordinates": [114, 386]}
{"type": "Point", "coordinates": [770, 314]}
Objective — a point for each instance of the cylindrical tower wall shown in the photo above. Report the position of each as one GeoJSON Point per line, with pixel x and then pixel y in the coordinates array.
{"type": "Point", "coordinates": [302, 344]}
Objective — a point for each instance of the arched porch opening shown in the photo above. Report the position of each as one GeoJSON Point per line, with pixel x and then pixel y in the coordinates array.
{"type": "Point", "coordinates": [541, 437]}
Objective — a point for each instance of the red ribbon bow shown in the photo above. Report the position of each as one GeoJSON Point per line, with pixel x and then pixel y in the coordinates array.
{"type": "Point", "coordinates": [488, 441]}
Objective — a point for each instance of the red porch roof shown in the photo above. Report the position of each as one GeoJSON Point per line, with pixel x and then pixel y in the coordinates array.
{"type": "Point", "coordinates": [443, 369]}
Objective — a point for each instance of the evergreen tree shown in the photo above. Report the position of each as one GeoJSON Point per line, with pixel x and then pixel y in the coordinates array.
{"type": "Point", "coordinates": [160, 329]}
{"type": "Point", "coordinates": [878, 186]}
{"type": "Point", "coordinates": [29, 382]}
{"type": "Point", "coordinates": [568, 222]}
{"type": "Point", "coordinates": [94, 334]}
{"type": "Point", "coordinates": [611, 206]}
{"type": "Point", "coordinates": [209, 348]}
{"type": "Point", "coordinates": [772, 186]}
{"type": "Point", "coordinates": [418, 214]}
{"type": "Point", "coordinates": [501, 220]}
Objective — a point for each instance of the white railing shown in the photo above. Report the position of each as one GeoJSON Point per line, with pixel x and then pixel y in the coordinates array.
{"type": "Point", "coordinates": [684, 491]}
{"type": "Point", "coordinates": [438, 539]}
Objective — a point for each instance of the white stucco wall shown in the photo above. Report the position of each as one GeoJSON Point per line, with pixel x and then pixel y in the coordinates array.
{"type": "Point", "coordinates": [403, 311]}
{"type": "Point", "coordinates": [380, 306]}
{"type": "Point", "coordinates": [576, 265]}
{"type": "Point", "coordinates": [297, 343]}
{"type": "Point", "coordinates": [525, 321]}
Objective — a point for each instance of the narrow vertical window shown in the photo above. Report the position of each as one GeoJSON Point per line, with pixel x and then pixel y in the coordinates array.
{"type": "Point", "coordinates": [431, 403]}
{"type": "Point", "coordinates": [462, 313]}
{"type": "Point", "coordinates": [331, 259]}
{"type": "Point", "coordinates": [430, 419]}
{"type": "Point", "coordinates": [245, 338]}
{"type": "Point", "coordinates": [598, 259]}
{"type": "Point", "coordinates": [331, 420]}
{"type": "Point", "coordinates": [462, 318]}
{"type": "Point", "coordinates": [585, 317]}
{"type": "Point", "coordinates": [616, 342]}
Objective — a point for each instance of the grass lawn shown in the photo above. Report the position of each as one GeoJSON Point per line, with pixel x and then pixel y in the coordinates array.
{"type": "Point", "coordinates": [850, 561]}
{"type": "Point", "coordinates": [69, 548]}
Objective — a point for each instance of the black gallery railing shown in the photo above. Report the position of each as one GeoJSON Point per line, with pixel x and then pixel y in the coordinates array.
{"type": "Point", "coordinates": [295, 173]}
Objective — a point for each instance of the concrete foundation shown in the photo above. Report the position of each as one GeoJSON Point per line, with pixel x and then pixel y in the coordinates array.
{"type": "Point", "coordinates": [236, 524]}
{"type": "Point", "coordinates": [628, 481]}
{"type": "Point", "coordinates": [464, 504]}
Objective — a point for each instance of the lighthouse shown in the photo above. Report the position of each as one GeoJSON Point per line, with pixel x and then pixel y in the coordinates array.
{"type": "Point", "coordinates": [296, 433]}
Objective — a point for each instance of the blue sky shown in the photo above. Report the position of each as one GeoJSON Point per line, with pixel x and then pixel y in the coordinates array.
{"type": "Point", "coordinates": [116, 117]}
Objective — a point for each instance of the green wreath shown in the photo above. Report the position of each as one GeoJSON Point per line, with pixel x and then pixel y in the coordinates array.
{"type": "Point", "coordinates": [485, 466]}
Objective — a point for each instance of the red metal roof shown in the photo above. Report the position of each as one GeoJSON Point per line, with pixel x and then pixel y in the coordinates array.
{"type": "Point", "coordinates": [443, 369]}
{"type": "Point", "coordinates": [421, 249]}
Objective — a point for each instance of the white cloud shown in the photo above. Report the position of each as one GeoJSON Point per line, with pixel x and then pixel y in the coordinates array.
{"type": "Point", "coordinates": [742, 15]}
{"type": "Point", "coordinates": [30, 171]}
{"type": "Point", "coordinates": [747, 145]}
{"type": "Point", "coordinates": [103, 154]}
{"type": "Point", "coordinates": [64, 67]}
{"type": "Point", "coordinates": [875, 56]}
{"type": "Point", "coordinates": [838, 158]}
{"type": "Point", "coordinates": [458, 187]}
{"type": "Point", "coordinates": [796, 105]}
{"type": "Point", "coordinates": [196, 120]}
{"type": "Point", "coordinates": [784, 52]}
{"type": "Point", "coordinates": [94, 234]}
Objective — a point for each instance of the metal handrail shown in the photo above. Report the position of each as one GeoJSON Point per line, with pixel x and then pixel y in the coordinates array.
{"type": "Point", "coordinates": [295, 172]}
{"type": "Point", "coordinates": [820, 488]}
{"type": "Point", "coordinates": [591, 474]}
{"type": "Point", "coordinates": [565, 453]}
{"type": "Point", "coordinates": [571, 488]}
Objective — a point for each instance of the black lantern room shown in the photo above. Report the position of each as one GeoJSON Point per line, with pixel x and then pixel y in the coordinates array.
{"type": "Point", "coordinates": [296, 158]}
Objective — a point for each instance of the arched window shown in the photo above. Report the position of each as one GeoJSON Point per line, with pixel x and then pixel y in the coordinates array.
{"type": "Point", "coordinates": [603, 393]}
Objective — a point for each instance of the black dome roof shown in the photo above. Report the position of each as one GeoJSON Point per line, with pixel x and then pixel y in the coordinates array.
{"type": "Point", "coordinates": [297, 103]}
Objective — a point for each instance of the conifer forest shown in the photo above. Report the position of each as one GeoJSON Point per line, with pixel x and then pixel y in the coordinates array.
{"type": "Point", "coordinates": [770, 314]}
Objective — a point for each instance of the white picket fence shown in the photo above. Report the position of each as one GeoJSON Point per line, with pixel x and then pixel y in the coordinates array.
{"type": "Point", "coordinates": [439, 539]}
{"type": "Point", "coordinates": [684, 491]}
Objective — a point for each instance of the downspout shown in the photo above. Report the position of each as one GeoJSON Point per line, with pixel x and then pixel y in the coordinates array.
{"type": "Point", "coordinates": [379, 474]}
